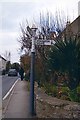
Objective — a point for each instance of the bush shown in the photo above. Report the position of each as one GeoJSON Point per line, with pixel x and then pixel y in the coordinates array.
{"type": "Point", "coordinates": [50, 89]}
{"type": "Point", "coordinates": [78, 93]}
{"type": "Point", "coordinates": [64, 57]}
{"type": "Point", "coordinates": [65, 90]}
{"type": "Point", "coordinates": [78, 89]}
{"type": "Point", "coordinates": [73, 96]}
{"type": "Point", "coordinates": [63, 93]}
{"type": "Point", "coordinates": [27, 77]}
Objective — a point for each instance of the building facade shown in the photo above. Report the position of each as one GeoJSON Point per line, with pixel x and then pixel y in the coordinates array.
{"type": "Point", "coordinates": [3, 62]}
{"type": "Point", "coordinates": [79, 8]}
{"type": "Point", "coordinates": [71, 30]}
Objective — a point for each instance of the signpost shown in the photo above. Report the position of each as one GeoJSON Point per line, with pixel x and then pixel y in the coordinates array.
{"type": "Point", "coordinates": [32, 32]}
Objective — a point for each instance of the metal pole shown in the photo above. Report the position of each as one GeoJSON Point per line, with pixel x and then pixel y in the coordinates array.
{"type": "Point", "coordinates": [32, 77]}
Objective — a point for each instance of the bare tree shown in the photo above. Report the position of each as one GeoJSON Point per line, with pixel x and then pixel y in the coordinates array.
{"type": "Point", "coordinates": [49, 27]}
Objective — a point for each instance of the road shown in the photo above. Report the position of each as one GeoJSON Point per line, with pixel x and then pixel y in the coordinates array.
{"type": "Point", "coordinates": [7, 83]}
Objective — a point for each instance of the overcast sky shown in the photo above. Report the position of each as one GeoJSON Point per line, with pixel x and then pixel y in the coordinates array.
{"type": "Point", "coordinates": [17, 11]}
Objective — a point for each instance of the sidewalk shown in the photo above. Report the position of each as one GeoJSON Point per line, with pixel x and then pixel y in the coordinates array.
{"type": "Point", "coordinates": [18, 106]}
{"type": "Point", "coordinates": [46, 106]}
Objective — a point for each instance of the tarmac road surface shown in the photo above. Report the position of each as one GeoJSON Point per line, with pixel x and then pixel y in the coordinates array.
{"type": "Point", "coordinates": [7, 83]}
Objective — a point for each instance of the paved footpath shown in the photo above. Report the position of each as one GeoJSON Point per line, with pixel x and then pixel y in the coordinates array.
{"type": "Point", "coordinates": [18, 106]}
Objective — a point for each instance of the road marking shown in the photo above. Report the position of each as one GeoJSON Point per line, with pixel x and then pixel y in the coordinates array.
{"type": "Point", "coordinates": [10, 90]}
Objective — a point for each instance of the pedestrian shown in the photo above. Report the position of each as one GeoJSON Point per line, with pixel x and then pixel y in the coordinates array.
{"type": "Point", "coordinates": [21, 72]}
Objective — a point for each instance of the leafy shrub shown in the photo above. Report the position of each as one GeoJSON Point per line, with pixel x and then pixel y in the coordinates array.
{"type": "Point", "coordinates": [78, 89]}
{"type": "Point", "coordinates": [73, 96]}
{"type": "Point", "coordinates": [65, 90]}
{"type": "Point", "coordinates": [64, 57]}
{"type": "Point", "coordinates": [78, 93]}
{"type": "Point", "coordinates": [50, 89]}
{"type": "Point", "coordinates": [27, 77]}
{"type": "Point", "coordinates": [63, 93]}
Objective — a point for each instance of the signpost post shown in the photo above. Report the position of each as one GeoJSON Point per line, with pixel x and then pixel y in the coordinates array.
{"type": "Point", "coordinates": [32, 73]}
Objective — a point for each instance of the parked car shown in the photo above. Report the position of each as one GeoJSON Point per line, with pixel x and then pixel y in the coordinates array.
{"type": "Point", "coordinates": [12, 72]}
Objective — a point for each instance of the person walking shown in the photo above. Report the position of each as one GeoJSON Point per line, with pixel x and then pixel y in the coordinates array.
{"type": "Point", "coordinates": [21, 72]}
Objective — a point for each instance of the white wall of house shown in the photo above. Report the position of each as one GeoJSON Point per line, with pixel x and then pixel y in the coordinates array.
{"type": "Point", "coordinates": [79, 8]}
{"type": "Point", "coordinates": [2, 63]}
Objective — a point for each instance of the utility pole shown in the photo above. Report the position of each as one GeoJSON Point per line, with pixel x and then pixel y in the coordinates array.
{"type": "Point", "coordinates": [32, 73]}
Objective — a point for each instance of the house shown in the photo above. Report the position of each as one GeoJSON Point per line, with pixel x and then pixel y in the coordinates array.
{"type": "Point", "coordinates": [3, 62]}
{"type": "Point", "coordinates": [79, 8]}
{"type": "Point", "coordinates": [71, 30]}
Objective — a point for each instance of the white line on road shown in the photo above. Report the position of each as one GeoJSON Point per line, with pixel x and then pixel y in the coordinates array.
{"type": "Point", "coordinates": [10, 90]}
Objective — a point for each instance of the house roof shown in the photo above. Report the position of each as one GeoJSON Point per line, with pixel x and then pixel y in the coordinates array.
{"type": "Point", "coordinates": [3, 58]}
{"type": "Point", "coordinates": [74, 26]}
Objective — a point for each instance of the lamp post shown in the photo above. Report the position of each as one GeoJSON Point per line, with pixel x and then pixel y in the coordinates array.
{"type": "Point", "coordinates": [32, 73]}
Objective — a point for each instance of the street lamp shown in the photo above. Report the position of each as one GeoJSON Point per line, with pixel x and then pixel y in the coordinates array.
{"type": "Point", "coordinates": [32, 73]}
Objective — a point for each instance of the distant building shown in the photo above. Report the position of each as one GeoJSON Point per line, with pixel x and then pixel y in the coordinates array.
{"type": "Point", "coordinates": [3, 62]}
{"type": "Point", "coordinates": [79, 8]}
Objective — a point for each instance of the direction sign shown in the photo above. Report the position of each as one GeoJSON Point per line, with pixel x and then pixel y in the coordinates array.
{"type": "Point", "coordinates": [29, 30]}
{"type": "Point", "coordinates": [45, 42]}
